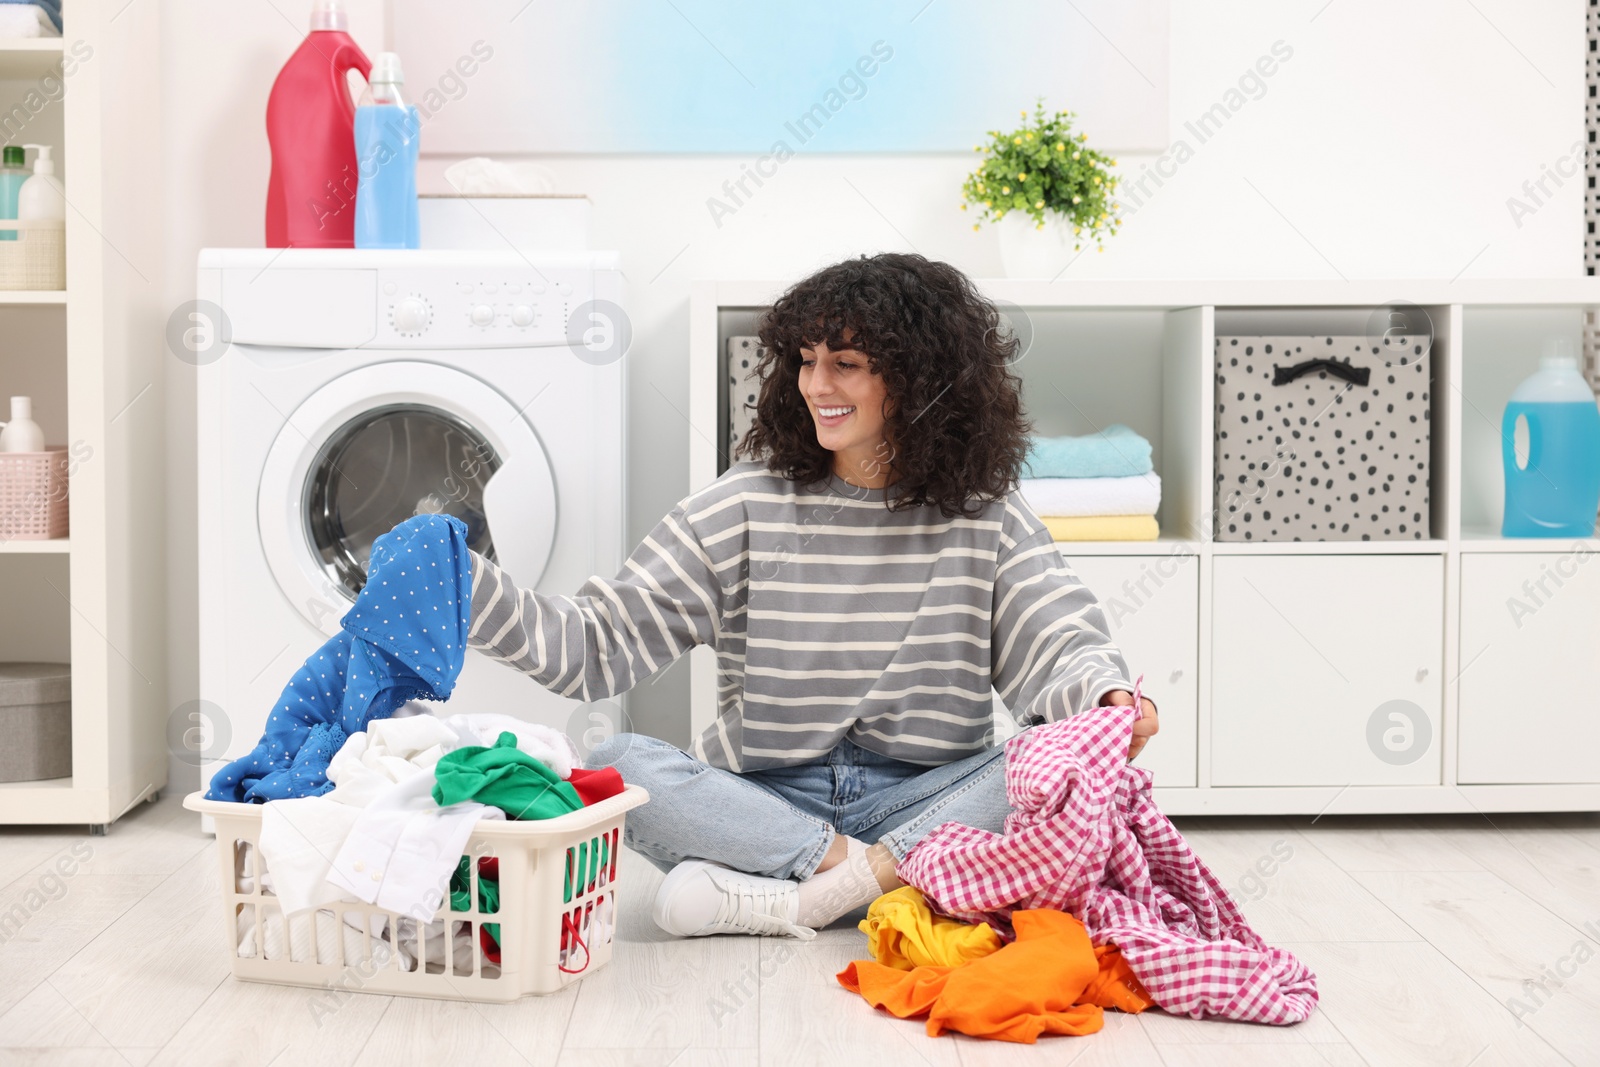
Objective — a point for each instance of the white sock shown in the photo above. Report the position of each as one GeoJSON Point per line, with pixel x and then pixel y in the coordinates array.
{"type": "Point", "coordinates": [839, 890]}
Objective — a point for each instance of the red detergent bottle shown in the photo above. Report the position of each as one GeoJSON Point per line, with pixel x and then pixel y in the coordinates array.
{"type": "Point", "coordinates": [311, 193]}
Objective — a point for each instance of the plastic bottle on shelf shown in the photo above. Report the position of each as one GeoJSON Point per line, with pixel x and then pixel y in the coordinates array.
{"type": "Point", "coordinates": [21, 434]}
{"type": "Point", "coordinates": [386, 138]}
{"type": "Point", "coordinates": [1557, 491]}
{"type": "Point", "coordinates": [42, 200]}
{"type": "Point", "coordinates": [12, 174]}
{"type": "Point", "coordinates": [311, 190]}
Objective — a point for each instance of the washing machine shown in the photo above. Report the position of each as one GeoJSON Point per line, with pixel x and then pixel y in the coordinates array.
{"type": "Point", "coordinates": [340, 392]}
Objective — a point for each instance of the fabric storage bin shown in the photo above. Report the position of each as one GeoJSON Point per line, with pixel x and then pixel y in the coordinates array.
{"type": "Point", "coordinates": [33, 494]}
{"type": "Point", "coordinates": [35, 721]}
{"type": "Point", "coordinates": [743, 387]}
{"type": "Point", "coordinates": [556, 915]}
{"type": "Point", "coordinates": [37, 259]}
{"type": "Point", "coordinates": [1322, 438]}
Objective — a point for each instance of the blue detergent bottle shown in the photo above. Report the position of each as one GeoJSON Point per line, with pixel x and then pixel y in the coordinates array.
{"type": "Point", "coordinates": [387, 135]}
{"type": "Point", "coordinates": [12, 174]}
{"type": "Point", "coordinates": [1556, 492]}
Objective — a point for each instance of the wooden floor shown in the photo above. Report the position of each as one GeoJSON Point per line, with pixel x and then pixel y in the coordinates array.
{"type": "Point", "coordinates": [1430, 937]}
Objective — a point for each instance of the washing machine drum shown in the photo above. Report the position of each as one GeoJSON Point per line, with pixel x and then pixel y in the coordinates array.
{"type": "Point", "coordinates": [360, 456]}
{"type": "Point", "coordinates": [386, 466]}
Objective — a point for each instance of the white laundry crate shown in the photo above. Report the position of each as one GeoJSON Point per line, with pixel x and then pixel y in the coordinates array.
{"type": "Point", "coordinates": [538, 909]}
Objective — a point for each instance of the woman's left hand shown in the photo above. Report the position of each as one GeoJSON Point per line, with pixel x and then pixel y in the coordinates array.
{"type": "Point", "coordinates": [1144, 727]}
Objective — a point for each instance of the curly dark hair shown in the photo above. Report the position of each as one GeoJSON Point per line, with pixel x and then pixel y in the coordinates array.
{"type": "Point", "coordinates": [958, 432]}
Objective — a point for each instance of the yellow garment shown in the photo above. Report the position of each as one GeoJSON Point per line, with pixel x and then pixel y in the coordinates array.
{"type": "Point", "coordinates": [902, 932]}
{"type": "Point", "coordinates": [1102, 527]}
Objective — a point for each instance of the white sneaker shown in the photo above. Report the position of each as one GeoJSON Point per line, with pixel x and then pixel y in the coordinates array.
{"type": "Point", "coordinates": [699, 897]}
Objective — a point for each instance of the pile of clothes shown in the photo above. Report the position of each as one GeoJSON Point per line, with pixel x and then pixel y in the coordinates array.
{"type": "Point", "coordinates": [363, 806]}
{"type": "Point", "coordinates": [1049, 979]}
{"type": "Point", "coordinates": [1094, 487]}
{"type": "Point", "coordinates": [1090, 899]}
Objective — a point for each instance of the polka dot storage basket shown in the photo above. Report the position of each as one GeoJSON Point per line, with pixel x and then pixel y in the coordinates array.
{"type": "Point", "coordinates": [33, 494]}
{"type": "Point", "coordinates": [36, 258]}
{"type": "Point", "coordinates": [743, 386]}
{"type": "Point", "coordinates": [1323, 438]}
{"type": "Point", "coordinates": [554, 921]}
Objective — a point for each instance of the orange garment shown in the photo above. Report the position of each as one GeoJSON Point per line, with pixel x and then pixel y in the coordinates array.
{"type": "Point", "coordinates": [1049, 980]}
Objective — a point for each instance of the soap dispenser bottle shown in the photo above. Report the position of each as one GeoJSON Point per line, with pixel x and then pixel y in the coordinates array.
{"type": "Point", "coordinates": [41, 200]}
{"type": "Point", "coordinates": [1554, 490]}
{"type": "Point", "coordinates": [21, 434]}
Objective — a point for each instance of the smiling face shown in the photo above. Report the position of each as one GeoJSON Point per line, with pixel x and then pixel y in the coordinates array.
{"type": "Point", "coordinates": [848, 403]}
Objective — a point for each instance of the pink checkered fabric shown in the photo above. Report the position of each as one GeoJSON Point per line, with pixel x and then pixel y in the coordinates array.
{"type": "Point", "coordinates": [1085, 837]}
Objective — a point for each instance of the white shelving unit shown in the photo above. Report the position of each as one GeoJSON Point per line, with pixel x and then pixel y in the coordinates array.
{"type": "Point", "coordinates": [94, 364]}
{"type": "Point", "coordinates": [1271, 661]}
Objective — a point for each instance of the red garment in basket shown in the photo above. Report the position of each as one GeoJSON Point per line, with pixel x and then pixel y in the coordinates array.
{"type": "Point", "coordinates": [595, 786]}
{"type": "Point", "coordinates": [1085, 837]}
{"type": "Point", "coordinates": [489, 871]}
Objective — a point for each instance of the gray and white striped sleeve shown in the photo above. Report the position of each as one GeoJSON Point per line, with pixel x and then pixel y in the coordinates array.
{"type": "Point", "coordinates": [614, 632]}
{"type": "Point", "coordinates": [1052, 654]}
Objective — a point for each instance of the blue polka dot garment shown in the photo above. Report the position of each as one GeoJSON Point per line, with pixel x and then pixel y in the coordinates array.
{"type": "Point", "coordinates": [404, 638]}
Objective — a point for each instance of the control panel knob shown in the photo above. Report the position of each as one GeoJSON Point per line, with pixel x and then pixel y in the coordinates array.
{"type": "Point", "coordinates": [522, 315]}
{"type": "Point", "coordinates": [411, 315]}
{"type": "Point", "coordinates": [482, 315]}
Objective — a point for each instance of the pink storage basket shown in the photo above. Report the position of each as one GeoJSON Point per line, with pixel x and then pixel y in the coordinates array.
{"type": "Point", "coordinates": [33, 495]}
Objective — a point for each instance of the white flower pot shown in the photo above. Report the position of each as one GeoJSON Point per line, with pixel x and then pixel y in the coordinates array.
{"type": "Point", "coordinates": [1029, 252]}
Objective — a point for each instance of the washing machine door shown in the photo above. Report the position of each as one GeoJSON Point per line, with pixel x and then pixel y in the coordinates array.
{"type": "Point", "coordinates": [383, 443]}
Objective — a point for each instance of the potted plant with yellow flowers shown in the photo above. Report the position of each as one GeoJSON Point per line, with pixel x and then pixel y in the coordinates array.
{"type": "Point", "coordinates": [1049, 194]}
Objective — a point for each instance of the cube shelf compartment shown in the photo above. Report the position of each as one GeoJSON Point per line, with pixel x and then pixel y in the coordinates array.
{"type": "Point", "coordinates": [1300, 676]}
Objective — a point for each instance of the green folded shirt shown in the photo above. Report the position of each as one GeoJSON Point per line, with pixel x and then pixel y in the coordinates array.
{"type": "Point", "coordinates": [503, 777]}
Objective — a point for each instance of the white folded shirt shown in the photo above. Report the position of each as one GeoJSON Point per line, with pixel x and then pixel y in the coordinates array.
{"type": "Point", "coordinates": [1137, 494]}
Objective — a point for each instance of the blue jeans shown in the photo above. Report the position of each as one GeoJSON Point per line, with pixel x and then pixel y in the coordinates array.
{"type": "Point", "coordinates": [780, 822]}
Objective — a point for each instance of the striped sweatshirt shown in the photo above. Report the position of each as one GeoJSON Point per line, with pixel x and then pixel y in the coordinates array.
{"type": "Point", "coordinates": [831, 617]}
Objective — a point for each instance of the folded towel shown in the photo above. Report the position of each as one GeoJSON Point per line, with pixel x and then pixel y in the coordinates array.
{"type": "Point", "coordinates": [1137, 494]}
{"type": "Point", "coordinates": [49, 11]}
{"type": "Point", "coordinates": [1113, 452]}
{"type": "Point", "coordinates": [19, 21]}
{"type": "Point", "coordinates": [1102, 527]}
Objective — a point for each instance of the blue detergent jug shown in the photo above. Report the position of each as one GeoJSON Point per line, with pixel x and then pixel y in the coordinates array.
{"type": "Point", "coordinates": [386, 135]}
{"type": "Point", "coordinates": [1557, 491]}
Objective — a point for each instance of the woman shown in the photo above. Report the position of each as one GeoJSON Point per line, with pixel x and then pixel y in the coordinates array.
{"type": "Point", "coordinates": [865, 582]}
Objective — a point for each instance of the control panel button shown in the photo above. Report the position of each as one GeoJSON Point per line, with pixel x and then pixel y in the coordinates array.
{"type": "Point", "coordinates": [536, 287]}
{"type": "Point", "coordinates": [482, 315]}
{"type": "Point", "coordinates": [411, 315]}
{"type": "Point", "coordinates": [522, 315]}
{"type": "Point", "coordinates": [564, 288]}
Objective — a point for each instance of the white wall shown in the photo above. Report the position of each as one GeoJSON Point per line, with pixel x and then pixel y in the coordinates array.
{"type": "Point", "coordinates": [1386, 146]}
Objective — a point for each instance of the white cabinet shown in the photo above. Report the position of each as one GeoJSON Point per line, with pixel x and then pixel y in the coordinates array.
{"type": "Point", "coordinates": [1326, 670]}
{"type": "Point", "coordinates": [1152, 606]}
{"type": "Point", "coordinates": [1530, 655]}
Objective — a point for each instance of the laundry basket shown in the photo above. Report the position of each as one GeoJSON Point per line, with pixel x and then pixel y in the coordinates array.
{"type": "Point", "coordinates": [555, 920]}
